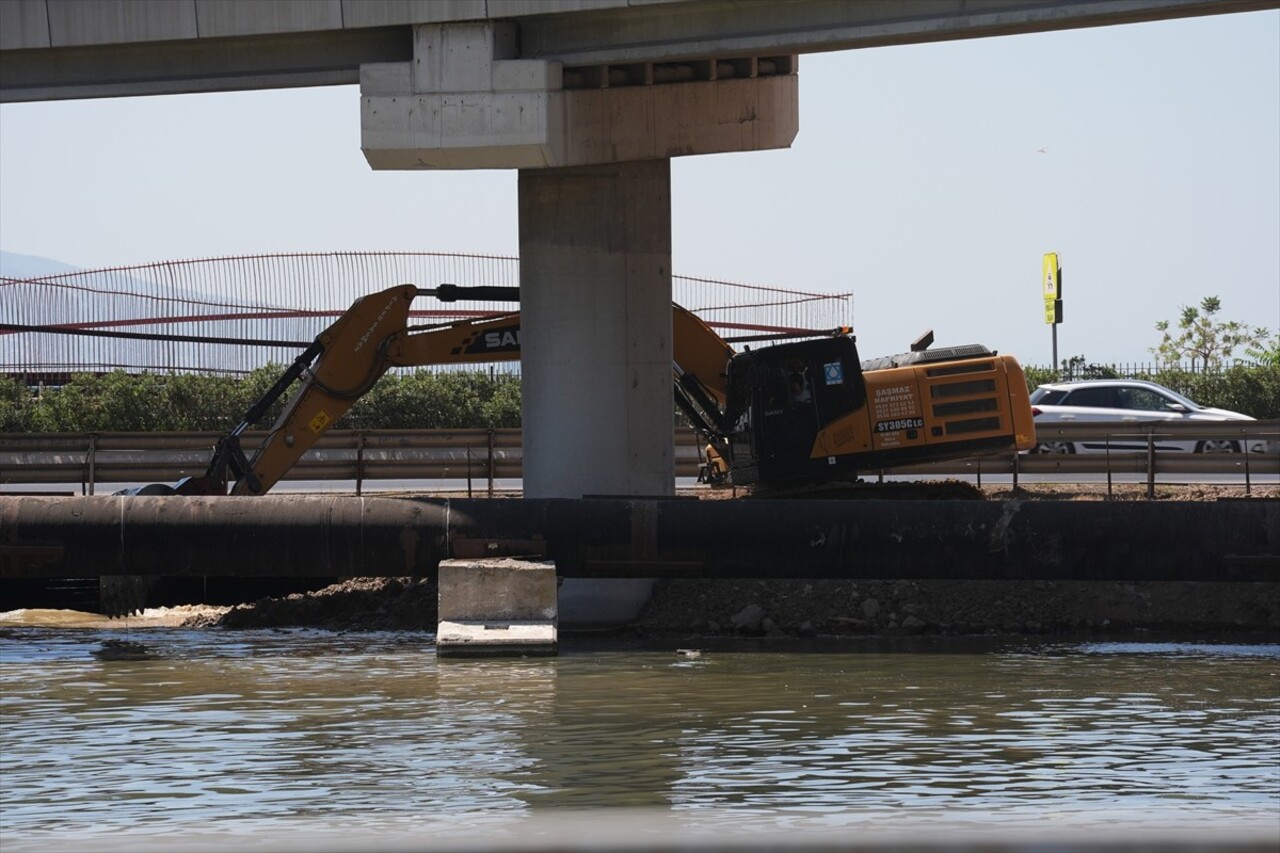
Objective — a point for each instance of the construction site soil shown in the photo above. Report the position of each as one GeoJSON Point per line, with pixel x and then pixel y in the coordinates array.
{"type": "Point", "coordinates": [788, 607]}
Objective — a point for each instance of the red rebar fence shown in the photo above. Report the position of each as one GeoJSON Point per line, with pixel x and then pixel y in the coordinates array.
{"type": "Point", "coordinates": [231, 315]}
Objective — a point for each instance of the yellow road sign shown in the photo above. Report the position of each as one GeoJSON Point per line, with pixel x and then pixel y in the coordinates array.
{"type": "Point", "coordinates": [1052, 277]}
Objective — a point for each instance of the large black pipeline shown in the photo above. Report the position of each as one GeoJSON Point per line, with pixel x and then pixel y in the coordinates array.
{"type": "Point", "coordinates": [604, 538]}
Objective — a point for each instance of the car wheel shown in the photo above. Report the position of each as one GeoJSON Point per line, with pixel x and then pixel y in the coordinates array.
{"type": "Point", "coordinates": [1219, 445]}
{"type": "Point", "coordinates": [1058, 447]}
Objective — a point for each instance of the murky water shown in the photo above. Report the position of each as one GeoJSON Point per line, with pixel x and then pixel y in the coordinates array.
{"type": "Point", "coordinates": [248, 732]}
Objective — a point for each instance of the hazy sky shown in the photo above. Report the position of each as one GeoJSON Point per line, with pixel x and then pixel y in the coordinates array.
{"type": "Point", "coordinates": [915, 183]}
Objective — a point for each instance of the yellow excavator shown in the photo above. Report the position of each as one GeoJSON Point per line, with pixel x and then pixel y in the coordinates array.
{"type": "Point", "coordinates": [800, 411]}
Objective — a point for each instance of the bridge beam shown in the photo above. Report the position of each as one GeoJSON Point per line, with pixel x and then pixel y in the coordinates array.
{"type": "Point", "coordinates": [466, 101]}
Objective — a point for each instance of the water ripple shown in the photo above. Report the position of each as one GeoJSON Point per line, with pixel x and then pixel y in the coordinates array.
{"type": "Point", "coordinates": [261, 729]}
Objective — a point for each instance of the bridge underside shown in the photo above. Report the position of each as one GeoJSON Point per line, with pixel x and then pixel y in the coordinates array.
{"type": "Point", "coordinates": [57, 49]}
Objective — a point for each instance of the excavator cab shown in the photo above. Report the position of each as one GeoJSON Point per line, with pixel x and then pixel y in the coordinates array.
{"type": "Point", "coordinates": [781, 397]}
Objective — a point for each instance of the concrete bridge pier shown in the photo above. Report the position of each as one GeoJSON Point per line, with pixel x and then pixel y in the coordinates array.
{"type": "Point", "coordinates": [593, 148]}
{"type": "Point", "coordinates": [595, 279]}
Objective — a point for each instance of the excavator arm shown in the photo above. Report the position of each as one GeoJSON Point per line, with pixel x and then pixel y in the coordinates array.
{"type": "Point", "coordinates": [350, 356]}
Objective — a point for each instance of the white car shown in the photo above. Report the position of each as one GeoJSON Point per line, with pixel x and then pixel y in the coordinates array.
{"type": "Point", "coordinates": [1125, 401]}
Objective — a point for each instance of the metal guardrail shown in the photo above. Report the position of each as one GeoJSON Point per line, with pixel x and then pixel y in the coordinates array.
{"type": "Point", "coordinates": [1242, 431]}
{"type": "Point", "coordinates": [357, 455]}
{"type": "Point", "coordinates": [1147, 461]}
{"type": "Point", "coordinates": [481, 456]}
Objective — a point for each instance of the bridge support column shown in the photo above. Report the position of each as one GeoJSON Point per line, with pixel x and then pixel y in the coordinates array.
{"type": "Point", "coordinates": [595, 278]}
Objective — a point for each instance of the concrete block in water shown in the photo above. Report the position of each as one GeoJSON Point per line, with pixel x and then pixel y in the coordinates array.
{"type": "Point", "coordinates": [496, 607]}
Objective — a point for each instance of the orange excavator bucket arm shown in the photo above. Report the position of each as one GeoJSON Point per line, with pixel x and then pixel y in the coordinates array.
{"type": "Point", "coordinates": [351, 355]}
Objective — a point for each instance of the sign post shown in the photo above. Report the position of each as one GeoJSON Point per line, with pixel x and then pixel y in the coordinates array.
{"type": "Point", "coordinates": [1052, 281]}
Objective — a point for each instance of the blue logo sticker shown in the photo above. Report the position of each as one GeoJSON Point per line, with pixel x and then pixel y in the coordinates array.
{"type": "Point", "coordinates": [833, 373]}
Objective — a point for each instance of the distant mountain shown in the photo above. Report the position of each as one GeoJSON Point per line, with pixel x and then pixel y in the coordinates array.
{"type": "Point", "coordinates": [30, 266]}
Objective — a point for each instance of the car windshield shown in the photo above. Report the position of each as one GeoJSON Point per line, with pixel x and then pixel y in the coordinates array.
{"type": "Point", "coordinates": [1186, 401]}
{"type": "Point", "coordinates": [1046, 396]}
{"type": "Point", "coordinates": [1142, 398]}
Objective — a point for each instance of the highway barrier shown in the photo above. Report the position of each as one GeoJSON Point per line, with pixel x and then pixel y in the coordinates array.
{"type": "Point", "coordinates": [481, 457]}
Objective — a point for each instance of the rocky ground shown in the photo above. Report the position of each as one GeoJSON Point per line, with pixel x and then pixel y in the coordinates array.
{"type": "Point", "coordinates": [788, 607]}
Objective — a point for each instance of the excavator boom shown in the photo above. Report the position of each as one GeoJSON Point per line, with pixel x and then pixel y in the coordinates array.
{"type": "Point", "coordinates": [351, 355]}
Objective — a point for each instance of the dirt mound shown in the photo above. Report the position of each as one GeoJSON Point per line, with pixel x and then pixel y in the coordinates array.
{"type": "Point", "coordinates": [364, 604]}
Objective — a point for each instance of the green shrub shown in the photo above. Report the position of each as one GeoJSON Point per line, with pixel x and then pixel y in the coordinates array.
{"type": "Point", "coordinates": [1037, 376]}
{"type": "Point", "coordinates": [423, 400]}
{"type": "Point", "coordinates": [119, 402]}
{"type": "Point", "coordinates": [15, 406]}
{"type": "Point", "coordinates": [1253, 391]}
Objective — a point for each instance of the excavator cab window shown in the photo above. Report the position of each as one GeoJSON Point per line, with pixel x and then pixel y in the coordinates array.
{"type": "Point", "coordinates": [791, 386]}
{"type": "Point", "coordinates": [820, 376]}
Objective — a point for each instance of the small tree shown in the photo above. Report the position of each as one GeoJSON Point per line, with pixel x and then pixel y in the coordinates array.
{"type": "Point", "coordinates": [1201, 337]}
{"type": "Point", "coordinates": [1265, 354]}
